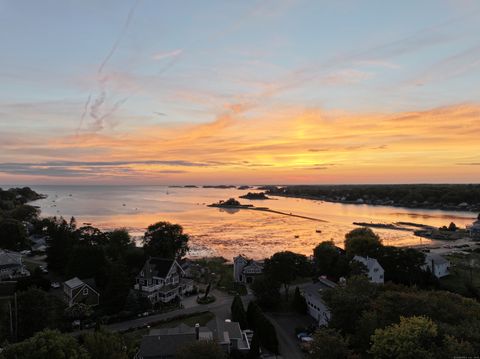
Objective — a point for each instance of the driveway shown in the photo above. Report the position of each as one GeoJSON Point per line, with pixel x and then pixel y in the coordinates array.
{"type": "Point", "coordinates": [285, 324]}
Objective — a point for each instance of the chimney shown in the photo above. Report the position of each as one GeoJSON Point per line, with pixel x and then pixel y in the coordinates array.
{"type": "Point", "coordinates": [197, 331]}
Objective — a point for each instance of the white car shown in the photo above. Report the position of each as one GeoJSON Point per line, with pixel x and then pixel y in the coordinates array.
{"type": "Point", "coordinates": [55, 285]}
{"type": "Point", "coordinates": [43, 269]}
{"type": "Point", "coordinates": [26, 252]}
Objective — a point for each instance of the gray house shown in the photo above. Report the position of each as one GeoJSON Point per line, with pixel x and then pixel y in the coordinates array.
{"type": "Point", "coordinates": [77, 291]}
{"type": "Point", "coordinates": [245, 270]}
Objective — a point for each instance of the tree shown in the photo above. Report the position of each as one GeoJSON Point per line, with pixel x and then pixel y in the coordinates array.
{"type": "Point", "coordinates": [284, 267]}
{"type": "Point", "coordinates": [118, 242]}
{"type": "Point", "coordinates": [238, 312]}
{"type": "Point", "coordinates": [253, 312]}
{"type": "Point", "coordinates": [254, 351]}
{"type": "Point", "coordinates": [328, 343]}
{"type": "Point", "coordinates": [452, 227]}
{"type": "Point", "coordinates": [38, 310]}
{"type": "Point", "coordinates": [299, 302]}
{"type": "Point", "coordinates": [166, 240]}
{"type": "Point", "coordinates": [267, 291]}
{"type": "Point", "coordinates": [117, 288]}
{"type": "Point", "coordinates": [329, 260]}
{"type": "Point", "coordinates": [363, 242]}
{"type": "Point", "coordinates": [60, 243]}
{"type": "Point", "coordinates": [48, 344]}
{"type": "Point", "coordinates": [347, 303]}
{"type": "Point", "coordinates": [404, 265]}
{"type": "Point", "coordinates": [13, 235]}
{"type": "Point", "coordinates": [201, 349]}
{"type": "Point", "coordinates": [88, 261]}
{"type": "Point", "coordinates": [102, 345]}
{"type": "Point", "coordinates": [413, 337]}
{"type": "Point", "coordinates": [267, 334]}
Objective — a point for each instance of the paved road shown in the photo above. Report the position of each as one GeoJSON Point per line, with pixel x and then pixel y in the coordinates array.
{"type": "Point", "coordinates": [288, 344]}
{"type": "Point", "coordinates": [221, 308]}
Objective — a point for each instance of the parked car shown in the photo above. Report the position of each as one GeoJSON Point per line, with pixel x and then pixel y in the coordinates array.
{"type": "Point", "coordinates": [26, 252]}
{"type": "Point", "coordinates": [55, 285]}
{"type": "Point", "coordinates": [307, 339]}
{"type": "Point", "coordinates": [43, 269]}
{"type": "Point", "coordinates": [301, 335]}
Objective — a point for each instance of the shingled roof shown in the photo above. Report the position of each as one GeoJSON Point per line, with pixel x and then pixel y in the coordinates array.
{"type": "Point", "coordinates": [160, 266]}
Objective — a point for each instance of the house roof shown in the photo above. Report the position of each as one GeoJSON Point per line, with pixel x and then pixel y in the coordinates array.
{"type": "Point", "coordinates": [74, 283]}
{"type": "Point", "coordinates": [161, 346]}
{"type": "Point", "coordinates": [163, 342]}
{"type": "Point", "coordinates": [436, 258]}
{"type": "Point", "coordinates": [368, 261]}
{"type": "Point", "coordinates": [317, 288]}
{"type": "Point", "coordinates": [10, 259]}
{"type": "Point", "coordinates": [160, 266]}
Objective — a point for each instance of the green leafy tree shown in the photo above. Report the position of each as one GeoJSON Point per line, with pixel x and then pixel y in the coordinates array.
{"type": "Point", "coordinates": [13, 235]}
{"type": "Point", "coordinates": [267, 291]}
{"type": "Point", "coordinates": [413, 337]}
{"type": "Point", "coordinates": [105, 345]}
{"type": "Point", "coordinates": [285, 267]}
{"type": "Point", "coordinates": [238, 312]}
{"type": "Point", "coordinates": [24, 212]}
{"type": "Point", "coordinates": [202, 349]}
{"type": "Point", "coordinates": [254, 352]}
{"type": "Point", "coordinates": [347, 303]}
{"type": "Point", "coordinates": [329, 260]}
{"type": "Point", "coordinates": [118, 243]}
{"type": "Point", "coordinates": [253, 312]}
{"type": "Point", "coordinates": [38, 310]}
{"type": "Point", "coordinates": [363, 242]}
{"type": "Point", "coordinates": [60, 243]}
{"type": "Point", "coordinates": [166, 240]}
{"type": "Point", "coordinates": [117, 288]}
{"type": "Point", "coordinates": [48, 344]}
{"type": "Point", "coordinates": [299, 302]}
{"type": "Point", "coordinates": [328, 343]}
{"type": "Point", "coordinates": [88, 261]}
{"type": "Point", "coordinates": [267, 334]}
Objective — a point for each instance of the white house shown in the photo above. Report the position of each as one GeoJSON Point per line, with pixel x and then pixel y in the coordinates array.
{"type": "Point", "coordinates": [162, 280]}
{"type": "Point", "coordinates": [375, 271]}
{"type": "Point", "coordinates": [245, 270]}
{"type": "Point", "coordinates": [439, 266]}
{"type": "Point", "coordinates": [316, 307]}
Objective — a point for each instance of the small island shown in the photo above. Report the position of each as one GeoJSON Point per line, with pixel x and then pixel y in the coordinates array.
{"type": "Point", "coordinates": [243, 187]}
{"type": "Point", "coordinates": [255, 196]}
{"type": "Point", "coordinates": [230, 203]}
{"type": "Point", "coordinates": [221, 186]}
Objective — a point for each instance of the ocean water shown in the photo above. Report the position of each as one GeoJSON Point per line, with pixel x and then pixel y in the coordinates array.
{"type": "Point", "coordinates": [216, 231]}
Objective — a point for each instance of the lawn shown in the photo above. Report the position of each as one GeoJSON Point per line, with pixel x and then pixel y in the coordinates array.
{"type": "Point", "coordinates": [464, 273]}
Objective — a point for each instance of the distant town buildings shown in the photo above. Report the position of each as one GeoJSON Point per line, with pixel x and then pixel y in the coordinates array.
{"type": "Point", "coordinates": [162, 280]}
{"type": "Point", "coordinates": [11, 265]}
{"type": "Point", "coordinates": [375, 271]}
{"type": "Point", "coordinates": [245, 270]}
{"type": "Point", "coordinates": [164, 343]}
{"type": "Point", "coordinates": [77, 291]}
{"type": "Point", "coordinates": [439, 266]}
{"type": "Point", "coordinates": [316, 307]}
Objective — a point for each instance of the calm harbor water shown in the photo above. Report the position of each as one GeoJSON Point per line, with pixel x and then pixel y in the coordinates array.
{"type": "Point", "coordinates": [216, 231]}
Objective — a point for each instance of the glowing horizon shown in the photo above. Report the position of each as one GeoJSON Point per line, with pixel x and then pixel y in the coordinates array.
{"type": "Point", "coordinates": [240, 93]}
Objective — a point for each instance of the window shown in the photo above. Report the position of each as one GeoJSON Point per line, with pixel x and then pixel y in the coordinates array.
{"type": "Point", "coordinates": [85, 291]}
{"type": "Point", "coordinates": [142, 274]}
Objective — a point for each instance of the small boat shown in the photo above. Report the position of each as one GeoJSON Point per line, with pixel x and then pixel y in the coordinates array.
{"type": "Point", "coordinates": [124, 205]}
{"type": "Point", "coordinates": [318, 231]}
{"type": "Point", "coordinates": [297, 236]}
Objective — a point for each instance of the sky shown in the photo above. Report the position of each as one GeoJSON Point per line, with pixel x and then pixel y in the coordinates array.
{"type": "Point", "coordinates": [239, 92]}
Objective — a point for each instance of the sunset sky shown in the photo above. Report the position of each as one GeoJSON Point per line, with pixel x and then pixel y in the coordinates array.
{"type": "Point", "coordinates": [234, 92]}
